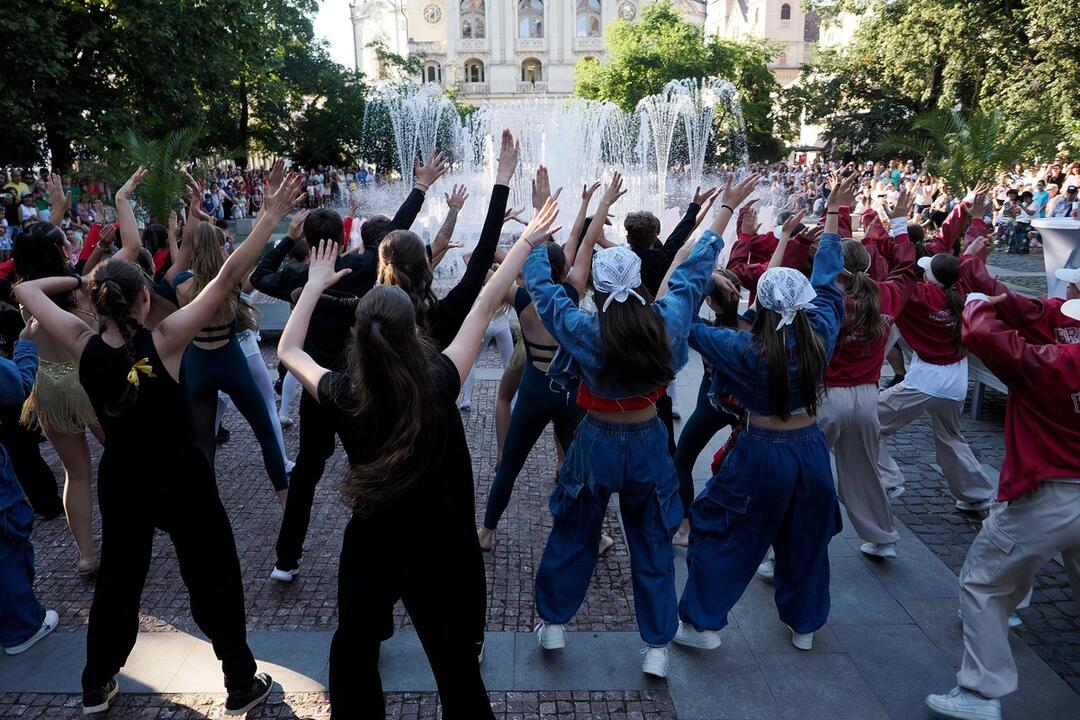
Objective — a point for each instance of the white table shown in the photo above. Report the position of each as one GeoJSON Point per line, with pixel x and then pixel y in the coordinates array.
{"type": "Point", "coordinates": [1061, 248]}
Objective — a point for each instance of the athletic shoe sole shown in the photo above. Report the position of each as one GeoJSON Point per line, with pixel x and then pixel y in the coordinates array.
{"type": "Point", "coordinates": [284, 576]}
{"type": "Point", "coordinates": [961, 714]}
{"type": "Point", "coordinates": [699, 641]}
{"type": "Point", "coordinates": [257, 701]}
{"type": "Point", "coordinates": [52, 619]}
{"type": "Point", "coordinates": [94, 709]}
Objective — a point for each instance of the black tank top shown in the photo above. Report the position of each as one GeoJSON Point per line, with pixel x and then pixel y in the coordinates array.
{"type": "Point", "coordinates": [156, 419]}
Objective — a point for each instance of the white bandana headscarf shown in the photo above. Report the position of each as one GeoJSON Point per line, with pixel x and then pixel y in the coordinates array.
{"type": "Point", "coordinates": [785, 291]}
{"type": "Point", "coordinates": [616, 272]}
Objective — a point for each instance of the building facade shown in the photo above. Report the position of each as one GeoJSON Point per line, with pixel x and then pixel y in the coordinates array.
{"type": "Point", "coordinates": [495, 49]}
{"type": "Point", "coordinates": [780, 21]}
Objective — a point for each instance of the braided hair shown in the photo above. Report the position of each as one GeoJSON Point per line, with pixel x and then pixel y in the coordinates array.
{"type": "Point", "coordinates": [114, 288]}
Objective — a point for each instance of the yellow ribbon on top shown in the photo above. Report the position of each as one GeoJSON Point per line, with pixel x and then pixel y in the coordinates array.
{"type": "Point", "coordinates": [144, 367]}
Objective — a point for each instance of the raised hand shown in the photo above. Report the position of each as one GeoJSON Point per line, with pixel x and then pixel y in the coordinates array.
{"type": "Point", "coordinates": [436, 166]}
{"type": "Point", "coordinates": [587, 191]}
{"type": "Point", "coordinates": [59, 202]}
{"type": "Point", "coordinates": [513, 214]}
{"type": "Point", "coordinates": [194, 200]}
{"type": "Point", "coordinates": [541, 188]}
{"type": "Point", "coordinates": [296, 227]}
{"type": "Point", "coordinates": [791, 223]}
{"type": "Point", "coordinates": [700, 198]}
{"type": "Point", "coordinates": [980, 188]}
{"type": "Point", "coordinates": [734, 194]}
{"type": "Point", "coordinates": [612, 192]}
{"type": "Point", "coordinates": [726, 287]}
{"type": "Point", "coordinates": [980, 206]}
{"type": "Point", "coordinates": [289, 193]}
{"type": "Point", "coordinates": [322, 269]}
{"type": "Point", "coordinates": [133, 182]}
{"type": "Point", "coordinates": [539, 228]}
{"type": "Point", "coordinates": [174, 224]}
{"type": "Point", "coordinates": [841, 192]}
{"type": "Point", "coordinates": [978, 248]}
{"type": "Point", "coordinates": [811, 235]}
{"type": "Point", "coordinates": [902, 207]}
{"type": "Point", "coordinates": [457, 197]}
{"type": "Point", "coordinates": [508, 158]}
{"type": "Point", "coordinates": [750, 224]}
{"type": "Point", "coordinates": [277, 174]}
{"type": "Point", "coordinates": [107, 236]}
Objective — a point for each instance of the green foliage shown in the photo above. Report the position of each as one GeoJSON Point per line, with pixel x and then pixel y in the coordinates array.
{"type": "Point", "coordinates": [908, 57]}
{"type": "Point", "coordinates": [964, 149]}
{"type": "Point", "coordinates": [660, 46]}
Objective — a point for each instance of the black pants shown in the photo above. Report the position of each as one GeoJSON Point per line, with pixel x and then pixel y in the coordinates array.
{"type": "Point", "coordinates": [317, 442]}
{"type": "Point", "coordinates": [664, 411]}
{"type": "Point", "coordinates": [34, 475]}
{"type": "Point", "coordinates": [435, 573]}
{"type": "Point", "coordinates": [181, 499]}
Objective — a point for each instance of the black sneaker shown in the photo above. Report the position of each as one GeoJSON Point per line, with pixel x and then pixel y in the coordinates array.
{"type": "Point", "coordinates": [241, 703]}
{"type": "Point", "coordinates": [223, 435]}
{"type": "Point", "coordinates": [97, 701]}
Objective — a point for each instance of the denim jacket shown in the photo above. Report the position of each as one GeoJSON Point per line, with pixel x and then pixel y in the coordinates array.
{"type": "Point", "coordinates": [739, 368]}
{"type": "Point", "coordinates": [16, 380]}
{"type": "Point", "coordinates": [578, 332]}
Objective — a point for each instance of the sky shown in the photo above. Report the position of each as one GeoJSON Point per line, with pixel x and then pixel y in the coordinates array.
{"type": "Point", "coordinates": [333, 24]}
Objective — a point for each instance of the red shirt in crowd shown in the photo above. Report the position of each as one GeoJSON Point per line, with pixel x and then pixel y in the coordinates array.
{"type": "Point", "coordinates": [1042, 416]}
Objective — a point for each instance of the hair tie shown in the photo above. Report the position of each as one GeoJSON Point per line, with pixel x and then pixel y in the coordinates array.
{"type": "Point", "coordinates": [376, 326]}
{"type": "Point", "coordinates": [143, 366]}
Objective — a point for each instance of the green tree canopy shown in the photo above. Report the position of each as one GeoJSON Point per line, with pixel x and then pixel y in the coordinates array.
{"type": "Point", "coordinates": [661, 46]}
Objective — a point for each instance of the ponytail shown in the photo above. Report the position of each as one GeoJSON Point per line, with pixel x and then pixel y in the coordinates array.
{"type": "Point", "coordinates": [114, 288]}
{"type": "Point", "coordinates": [390, 371]}
{"type": "Point", "coordinates": [862, 296]}
{"type": "Point", "coordinates": [636, 350]}
{"type": "Point", "coordinates": [809, 355]}
{"type": "Point", "coordinates": [403, 263]}
{"type": "Point", "coordinates": [946, 270]}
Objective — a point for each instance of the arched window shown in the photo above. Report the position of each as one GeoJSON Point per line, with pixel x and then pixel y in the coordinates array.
{"type": "Point", "coordinates": [433, 73]}
{"type": "Point", "coordinates": [588, 18]}
{"type": "Point", "coordinates": [530, 18]}
{"type": "Point", "coordinates": [785, 12]}
{"type": "Point", "coordinates": [532, 70]}
{"type": "Point", "coordinates": [474, 71]}
{"type": "Point", "coordinates": [473, 19]}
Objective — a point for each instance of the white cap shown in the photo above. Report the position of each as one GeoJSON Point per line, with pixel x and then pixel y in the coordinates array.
{"type": "Point", "coordinates": [617, 272]}
{"type": "Point", "coordinates": [1069, 275]}
{"type": "Point", "coordinates": [925, 263]}
{"type": "Point", "coordinates": [1072, 309]}
{"type": "Point", "coordinates": [786, 291]}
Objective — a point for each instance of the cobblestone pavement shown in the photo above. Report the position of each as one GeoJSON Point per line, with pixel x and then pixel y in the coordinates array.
{"type": "Point", "coordinates": [578, 705]}
{"type": "Point", "coordinates": [1052, 623]}
{"type": "Point", "coordinates": [1032, 262]}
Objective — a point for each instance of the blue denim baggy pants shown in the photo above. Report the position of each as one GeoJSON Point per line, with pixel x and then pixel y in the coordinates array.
{"type": "Point", "coordinates": [632, 460]}
{"type": "Point", "coordinates": [774, 488]}
{"type": "Point", "coordinates": [21, 614]}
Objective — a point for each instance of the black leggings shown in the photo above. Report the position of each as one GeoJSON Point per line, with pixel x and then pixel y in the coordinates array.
{"type": "Point", "coordinates": [537, 405]}
{"type": "Point", "coordinates": [696, 433]}
{"type": "Point", "coordinates": [180, 498]}
{"type": "Point", "coordinates": [34, 475]}
{"type": "Point", "coordinates": [434, 574]}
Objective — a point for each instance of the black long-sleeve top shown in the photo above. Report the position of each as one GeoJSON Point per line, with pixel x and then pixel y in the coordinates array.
{"type": "Point", "coordinates": [656, 260]}
{"type": "Point", "coordinates": [330, 324]}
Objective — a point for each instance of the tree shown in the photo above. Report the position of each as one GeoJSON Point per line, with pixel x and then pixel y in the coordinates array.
{"type": "Point", "coordinates": [964, 149]}
{"type": "Point", "coordinates": [661, 46]}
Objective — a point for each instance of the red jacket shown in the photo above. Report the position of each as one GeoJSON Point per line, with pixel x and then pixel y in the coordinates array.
{"type": "Point", "coordinates": [1042, 417]}
{"type": "Point", "coordinates": [944, 240]}
{"type": "Point", "coordinates": [857, 359]}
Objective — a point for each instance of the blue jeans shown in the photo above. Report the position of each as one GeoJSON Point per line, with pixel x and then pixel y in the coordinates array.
{"type": "Point", "coordinates": [774, 488]}
{"type": "Point", "coordinates": [21, 614]}
{"type": "Point", "coordinates": [632, 460]}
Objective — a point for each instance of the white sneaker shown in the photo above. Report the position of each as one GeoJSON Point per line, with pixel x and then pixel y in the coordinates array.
{"type": "Point", "coordinates": [766, 569]}
{"type": "Point", "coordinates": [980, 506]}
{"type": "Point", "coordinates": [550, 636]}
{"type": "Point", "coordinates": [690, 636]}
{"type": "Point", "coordinates": [894, 492]}
{"type": "Point", "coordinates": [52, 619]}
{"type": "Point", "coordinates": [285, 420]}
{"type": "Point", "coordinates": [656, 661]}
{"type": "Point", "coordinates": [289, 465]}
{"type": "Point", "coordinates": [964, 704]}
{"type": "Point", "coordinates": [881, 550]}
{"type": "Point", "coordinates": [480, 655]}
{"type": "Point", "coordinates": [285, 576]}
{"type": "Point", "coordinates": [1015, 620]}
{"type": "Point", "coordinates": [465, 405]}
{"type": "Point", "coordinates": [802, 641]}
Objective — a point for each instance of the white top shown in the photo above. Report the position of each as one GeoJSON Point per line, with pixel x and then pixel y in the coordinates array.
{"type": "Point", "coordinates": [941, 381]}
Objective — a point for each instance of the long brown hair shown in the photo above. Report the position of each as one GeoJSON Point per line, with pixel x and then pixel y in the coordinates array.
{"type": "Point", "coordinates": [403, 263]}
{"type": "Point", "coordinates": [862, 297]}
{"type": "Point", "coordinates": [114, 288]}
{"type": "Point", "coordinates": [207, 259]}
{"type": "Point", "coordinates": [728, 315]}
{"type": "Point", "coordinates": [390, 371]}
{"type": "Point", "coordinates": [637, 354]}
{"type": "Point", "coordinates": [809, 356]}
{"type": "Point", "coordinates": [946, 270]}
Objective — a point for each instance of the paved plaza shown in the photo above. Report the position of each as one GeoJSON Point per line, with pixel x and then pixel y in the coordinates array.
{"type": "Point", "coordinates": [892, 636]}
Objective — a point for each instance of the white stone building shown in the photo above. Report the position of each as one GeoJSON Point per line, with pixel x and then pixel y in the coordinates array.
{"type": "Point", "coordinates": [495, 49]}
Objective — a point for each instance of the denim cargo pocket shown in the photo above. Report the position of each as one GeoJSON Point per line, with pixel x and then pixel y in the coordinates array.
{"type": "Point", "coordinates": [664, 513]}
{"type": "Point", "coordinates": [563, 503]}
{"type": "Point", "coordinates": [715, 514]}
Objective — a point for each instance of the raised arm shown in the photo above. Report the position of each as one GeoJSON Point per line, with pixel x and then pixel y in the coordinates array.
{"type": "Point", "coordinates": [175, 332]}
{"type": "Point", "coordinates": [321, 276]}
{"type": "Point", "coordinates": [572, 243]}
{"type": "Point", "coordinates": [104, 242]}
{"type": "Point", "coordinates": [689, 221]}
{"type": "Point", "coordinates": [59, 202]}
{"type": "Point", "coordinates": [1003, 349]}
{"type": "Point", "coordinates": [268, 277]}
{"type": "Point", "coordinates": [578, 277]}
{"type": "Point", "coordinates": [462, 350]}
{"type": "Point", "coordinates": [125, 217]}
{"type": "Point", "coordinates": [195, 215]}
{"type": "Point", "coordinates": [455, 201]}
{"type": "Point", "coordinates": [68, 329]}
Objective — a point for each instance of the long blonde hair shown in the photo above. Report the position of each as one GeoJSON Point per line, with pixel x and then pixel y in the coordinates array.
{"type": "Point", "coordinates": [207, 259]}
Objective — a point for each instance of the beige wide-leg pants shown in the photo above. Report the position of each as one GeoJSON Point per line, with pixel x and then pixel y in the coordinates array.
{"type": "Point", "coordinates": [849, 418]}
{"type": "Point", "coordinates": [898, 407]}
{"type": "Point", "coordinates": [1015, 542]}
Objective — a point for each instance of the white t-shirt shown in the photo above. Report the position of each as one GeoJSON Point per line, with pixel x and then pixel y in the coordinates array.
{"type": "Point", "coordinates": [940, 381]}
{"type": "Point", "coordinates": [28, 213]}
